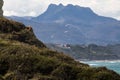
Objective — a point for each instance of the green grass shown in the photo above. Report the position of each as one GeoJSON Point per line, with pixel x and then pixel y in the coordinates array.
{"type": "Point", "coordinates": [32, 62]}
{"type": "Point", "coordinates": [12, 30]}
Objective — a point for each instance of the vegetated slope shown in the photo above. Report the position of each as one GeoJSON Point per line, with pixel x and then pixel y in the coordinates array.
{"type": "Point", "coordinates": [17, 31]}
{"type": "Point", "coordinates": [73, 24]}
{"type": "Point", "coordinates": [88, 52]}
{"type": "Point", "coordinates": [21, 60]}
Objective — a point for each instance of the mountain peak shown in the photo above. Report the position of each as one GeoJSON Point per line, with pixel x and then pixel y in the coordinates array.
{"type": "Point", "coordinates": [61, 4]}
{"type": "Point", "coordinates": [51, 6]}
{"type": "Point", "coordinates": [70, 5]}
{"type": "Point", "coordinates": [69, 12]}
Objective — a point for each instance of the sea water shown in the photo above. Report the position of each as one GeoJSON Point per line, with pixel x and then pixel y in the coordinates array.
{"type": "Point", "coordinates": [113, 65]}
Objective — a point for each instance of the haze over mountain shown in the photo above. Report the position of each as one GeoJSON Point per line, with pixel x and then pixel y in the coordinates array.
{"type": "Point", "coordinates": [73, 24]}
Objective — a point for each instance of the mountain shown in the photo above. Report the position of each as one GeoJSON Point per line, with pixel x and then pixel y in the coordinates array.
{"type": "Point", "coordinates": [88, 52]}
{"type": "Point", "coordinates": [73, 24]}
{"type": "Point", "coordinates": [24, 57]}
{"type": "Point", "coordinates": [70, 14]}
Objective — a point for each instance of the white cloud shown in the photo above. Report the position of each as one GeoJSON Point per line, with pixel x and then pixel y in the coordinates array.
{"type": "Point", "coordinates": [36, 7]}
{"type": "Point", "coordinates": [22, 8]}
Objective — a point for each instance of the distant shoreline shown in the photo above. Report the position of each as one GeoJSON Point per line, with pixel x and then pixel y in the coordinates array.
{"type": "Point", "coordinates": [110, 64]}
{"type": "Point", "coordinates": [98, 60]}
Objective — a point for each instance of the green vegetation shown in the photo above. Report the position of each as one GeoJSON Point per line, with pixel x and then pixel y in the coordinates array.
{"type": "Point", "coordinates": [17, 31]}
{"type": "Point", "coordinates": [21, 60]}
{"type": "Point", "coordinates": [90, 52]}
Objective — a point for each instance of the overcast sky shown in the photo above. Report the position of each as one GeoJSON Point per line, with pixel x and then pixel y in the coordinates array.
{"type": "Point", "coordinates": [36, 7]}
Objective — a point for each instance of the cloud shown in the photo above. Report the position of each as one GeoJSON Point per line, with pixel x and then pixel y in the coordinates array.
{"type": "Point", "coordinates": [107, 8]}
{"type": "Point", "coordinates": [36, 7]}
{"type": "Point", "coordinates": [22, 8]}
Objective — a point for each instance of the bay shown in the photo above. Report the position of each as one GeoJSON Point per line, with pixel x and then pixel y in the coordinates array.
{"type": "Point", "coordinates": [112, 65]}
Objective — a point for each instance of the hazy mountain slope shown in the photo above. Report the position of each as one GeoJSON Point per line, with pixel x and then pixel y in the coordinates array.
{"type": "Point", "coordinates": [90, 52]}
{"type": "Point", "coordinates": [70, 13]}
{"type": "Point", "coordinates": [75, 25]}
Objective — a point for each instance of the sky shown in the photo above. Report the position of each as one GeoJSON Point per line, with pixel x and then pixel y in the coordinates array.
{"type": "Point", "coordinates": [109, 8]}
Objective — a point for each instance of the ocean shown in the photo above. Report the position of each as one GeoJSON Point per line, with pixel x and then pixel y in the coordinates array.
{"type": "Point", "coordinates": [113, 65]}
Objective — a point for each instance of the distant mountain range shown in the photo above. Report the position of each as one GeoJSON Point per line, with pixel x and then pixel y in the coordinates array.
{"type": "Point", "coordinates": [89, 52]}
{"type": "Point", "coordinates": [73, 24]}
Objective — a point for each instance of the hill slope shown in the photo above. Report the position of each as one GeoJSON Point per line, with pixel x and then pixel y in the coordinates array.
{"type": "Point", "coordinates": [17, 31]}
{"type": "Point", "coordinates": [73, 25]}
{"type": "Point", "coordinates": [89, 52]}
{"type": "Point", "coordinates": [21, 60]}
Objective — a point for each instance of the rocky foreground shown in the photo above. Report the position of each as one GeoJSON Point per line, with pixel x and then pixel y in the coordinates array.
{"type": "Point", "coordinates": [24, 57]}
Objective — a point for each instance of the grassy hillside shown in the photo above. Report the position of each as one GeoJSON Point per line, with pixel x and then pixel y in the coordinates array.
{"type": "Point", "coordinates": [28, 59]}
{"type": "Point", "coordinates": [17, 31]}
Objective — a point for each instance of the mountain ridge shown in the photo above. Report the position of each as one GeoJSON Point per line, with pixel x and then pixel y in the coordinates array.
{"type": "Point", "coordinates": [74, 25]}
{"type": "Point", "coordinates": [85, 11]}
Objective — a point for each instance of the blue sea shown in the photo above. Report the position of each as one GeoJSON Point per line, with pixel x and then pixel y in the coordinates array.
{"type": "Point", "coordinates": [113, 65]}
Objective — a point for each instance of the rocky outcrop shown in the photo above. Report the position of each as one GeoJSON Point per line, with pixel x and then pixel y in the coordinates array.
{"type": "Point", "coordinates": [12, 30]}
{"type": "Point", "coordinates": [1, 11]}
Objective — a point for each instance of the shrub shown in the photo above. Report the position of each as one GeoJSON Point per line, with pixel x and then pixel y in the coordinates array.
{"type": "Point", "coordinates": [103, 75]}
{"type": "Point", "coordinates": [4, 66]}
{"type": "Point", "coordinates": [66, 72]}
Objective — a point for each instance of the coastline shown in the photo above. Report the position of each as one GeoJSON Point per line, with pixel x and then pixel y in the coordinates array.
{"type": "Point", "coordinates": [110, 64]}
{"type": "Point", "coordinates": [87, 60]}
